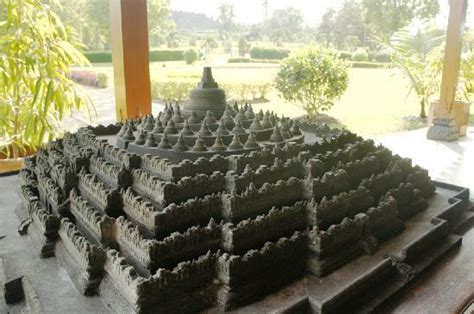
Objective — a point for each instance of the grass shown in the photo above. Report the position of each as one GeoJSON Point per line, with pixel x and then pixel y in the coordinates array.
{"type": "Point", "coordinates": [374, 103]}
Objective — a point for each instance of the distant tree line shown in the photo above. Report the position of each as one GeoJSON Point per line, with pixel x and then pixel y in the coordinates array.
{"type": "Point", "coordinates": [90, 21]}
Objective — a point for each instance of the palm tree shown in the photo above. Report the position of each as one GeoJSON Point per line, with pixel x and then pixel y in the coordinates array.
{"type": "Point", "coordinates": [412, 52]}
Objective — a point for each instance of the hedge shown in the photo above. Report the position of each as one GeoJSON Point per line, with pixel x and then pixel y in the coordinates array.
{"type": "Point", "coordinates": [249, 60]}
{"type": "Point", "coordinates": [156, 55]}
{"type": "Point", "coordinates": [380, 57]}
{"type": "Point", "coordinates": [98, 56]}
{"type": "Point", "coordinates": [160, 55]}
{"type": "Point", "coordinates": [372, 56]}
{"type": "Point", "coordinates": [370, 65]}
{"type": "Point", "coordinates": [268, 53]}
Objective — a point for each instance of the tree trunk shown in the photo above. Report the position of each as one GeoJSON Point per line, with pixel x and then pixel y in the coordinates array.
{"type": "Point", "coordinates": [422, 108]}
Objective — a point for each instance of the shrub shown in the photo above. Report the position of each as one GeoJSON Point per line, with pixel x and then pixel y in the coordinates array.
{"type": "Point", "coordinates": [102, 80]}
{"type": "Point", "coordinates": [156, 55]}
{"type": "Point", "coordinates": [90, 78]}
{"type": "Point", "coordinates": [243, 46]}
{"type": "Point", "coordinates": [191, 56]}
{"type": "Point", "coordinates": [313, 77]}
{"type": "Point", "coordinates": [382, 57]}
{"type": "Point", "coordinates": [268, 53]}
{"type": "Point", "coordinates": [263, 89]}
{"type": "Point", "coordinates": [360, 55]}
{"type": "Point", "coordinates": [370, 65]}
{"type": "Point", "coordinates": [99, 56]}
{"type": "Point", "coordinates": [345, 55]}
{"type": "Point", "coordinates": [171, 90]}
{"type": "Point", "coordinates": [162, 55]}
{"type": "Point", "coordinates": [248, 60]}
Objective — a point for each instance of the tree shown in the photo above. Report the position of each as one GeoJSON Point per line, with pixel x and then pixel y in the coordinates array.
{"type": "Point", "coordinates": [327, 26]}
{"type": "Point", "coordinates": [96, 35]}
{"type": "Point", "coordinates": [160, 25]}
{"type": "Point", "coordinates": [285, 25]}
{"type": "Point", "coordinates": [313, 78]}
{"type": "Point", "coordinates": [191, 56]}
{"type": "Point", "coordinates": [384, 17]}
{"type": "Point", "coordinates": [413, 52]}
{"type": "Point", "coordinates": [226, 20]}
{"type": "Point", "coordinates": [36, 93]}
{"type": "Point", "coordinates": [208, 44]}
{"type": "Point", "coordinates": [243, 46]}
{"type": "Point", "coordinates": [348, 21]}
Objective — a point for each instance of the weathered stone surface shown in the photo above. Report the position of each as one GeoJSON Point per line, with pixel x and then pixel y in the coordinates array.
{"type": "Point", "coordinates": [83, 260]}
{"type": "Point", "coordinates": [182, 187]}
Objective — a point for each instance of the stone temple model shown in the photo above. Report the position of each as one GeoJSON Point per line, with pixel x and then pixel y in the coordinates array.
{"type": "Point", "coordinates": [214, 207]}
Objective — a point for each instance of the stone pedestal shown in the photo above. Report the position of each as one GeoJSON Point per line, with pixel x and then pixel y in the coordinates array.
{"type": "Point", "coordinates": [443, 129]}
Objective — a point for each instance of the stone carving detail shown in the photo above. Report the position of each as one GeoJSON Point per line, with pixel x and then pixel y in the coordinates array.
{"type": "Point", "coordinates": [165, 286]}
{"type": "Point", "coordinates": [121, 157]}
{"type": "Point", "coordinates": [108, 201]}
{"type": "Point", "coordinates": [45, 227]}
{"type": "Point", "coordinates": [238, 272]}
{"type": "Point", "coordinates": [331, 183]}
{"type": "Point", "coordinates": [88, 258]}
{"type": "Point", "coordinates": [333, 210]}
{"type": "Point", "coordinates": [149, 255]}
{"type": "Point", "coordinates": [409, 200]}
{"type": "Point", "coordinates": [99, 228]}
{"type": "Point", "coordinates": [166, 170]}
{"type": "Point", "coordinates": [52, 196]}
{"type": "Point", "coordinates": [164, 193]}
{"type": "Point", "coordinates": [278, 171]}
{"type": "Point", "coordinates": [253, 233]}
{"type": "Point", "coordinates": [183, 186]}
{"type": "Point", "coordinates": [112, 175]}
{"type": "Point", "coordinates": [253, 202]}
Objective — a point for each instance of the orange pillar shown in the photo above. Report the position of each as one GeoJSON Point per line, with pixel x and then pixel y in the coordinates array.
{"type": "Point", "coordinates": [129, 30]}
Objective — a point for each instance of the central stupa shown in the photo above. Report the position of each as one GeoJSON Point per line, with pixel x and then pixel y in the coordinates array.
{"type": "Point", "coordinates": [206, 96]}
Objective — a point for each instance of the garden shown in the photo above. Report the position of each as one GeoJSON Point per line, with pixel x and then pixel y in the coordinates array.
{"type": "Point", "coordinates": [376, 78]}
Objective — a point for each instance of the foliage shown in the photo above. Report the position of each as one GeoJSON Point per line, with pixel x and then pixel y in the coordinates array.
{"type": "Point", "coordinates": [344, 28]}
{"type": "Point", "coordinates": [36, 93]}
{"type": "Point", "coordinates": [384, 17]}
{"type": "Point", "coordinates": [349, 22]}
{"type": "Point", "coordinates": [467, 74]}
{"type": "Point", "coordinates": [379, 56]}
{"type": "Point", "coordinates": [155, 55]}
{"type": "Point", "coordinates": [191, 56]}
{"type": "Point", "coordinates": [249, 60]}
{"type": "Point", "coordinates": [412, 52]}
{"type": "Point", "coordinates": [243, 46]}
{"type": "Point", "coordinates": [313, 77]}
{"type": "Point", "coordinates": [370, 65]}
{"type": "Point", "coordinates": [160, 25]}
{"type": "Point", "coordinates": [327, 26]}
{"type": "Point", "coordinates": [351, 42]}
{"type": "Point", "coordinates": [91, 20]}
{"type": "Point", "coordinates": [285, 25]}
{"type": "Point", "coordinates": [268, 53]}
{"type": "Point", "coordinates": [360, 55]}
{"type": "Point", "coordinates": [171, 90]}
{"type": "Point", "coordinates": [162, 55]}
{"type": "Point", "coordinates": [226, 20]}
{"type": "Point", "coordinates": [98, 56]}
{"type": "Point", "coordinates": [90, 78]}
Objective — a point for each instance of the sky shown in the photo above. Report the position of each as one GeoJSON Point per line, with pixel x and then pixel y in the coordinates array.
{"type": "Point", "coordinates": [251, 11]}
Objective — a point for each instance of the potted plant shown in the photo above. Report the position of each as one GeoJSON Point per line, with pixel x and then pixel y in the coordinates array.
{"type": "Point", "coordinates": [36, 92]}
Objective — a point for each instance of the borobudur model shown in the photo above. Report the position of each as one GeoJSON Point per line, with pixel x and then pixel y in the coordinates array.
{"type": "Point", "coordinates": [229, 209]}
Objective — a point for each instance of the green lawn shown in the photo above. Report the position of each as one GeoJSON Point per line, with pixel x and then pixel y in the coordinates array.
{"type": "Point", "coordinates": [374, 103]}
